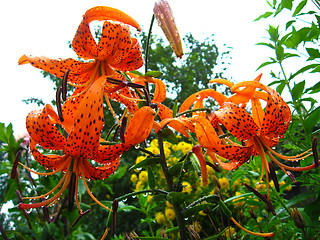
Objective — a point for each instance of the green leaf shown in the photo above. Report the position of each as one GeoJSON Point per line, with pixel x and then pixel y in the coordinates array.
{"type": "Point", "coordinates": [279, 53]}
{"type": "Point", "coordinates": [265, 15]}
{"type": "Point", "coordinates": [280, 87]}
{"type": "Point", "coordinates": [314, 89]}
{"type": "Point", "coordinates": [177, 197]}
{"type": "Point", "coordinates": [169, 136]}
{"type": "Point", "coordinates": [290, 23]}
{"type": "Point", "coordinates": [312, 120]}
{"type": "Point", "coordinates": [265, 64]}
{"type": "Point", "coordinates": [147, 162]}
{"type": "Point", "coordinates": [297, 90]}
{"type": "Point", "coordinates": [274, 33]}
{"type": "Point", "coordinates": [304, 69]}
{"type": "Point", "coordinates": [137, 72]}
{"type": "Point", "coordinates": [153, 73]}
{"type": "Point", "coordinates": [299, 7]}
{"type": "Point", "coordinates": [175, 109]}
{"type": "Point", "coordinates": [151, 178]}
{"type": "Point", "coordinates": [313, 53]}
{"type": "Point", "coordinates": [196, 209]}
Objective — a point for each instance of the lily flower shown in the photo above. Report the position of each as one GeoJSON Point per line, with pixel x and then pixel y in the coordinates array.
{"type": "Point", "coordinates": [81, 144]}
{"type": "Point", "coordinates": [258, 133]}
{"type": "Point", "coordinates": [116, 50]}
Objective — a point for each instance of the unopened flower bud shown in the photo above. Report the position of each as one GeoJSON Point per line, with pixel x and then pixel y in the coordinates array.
{"type": "Point", "coordinates": [163, 14]}
{"type": "Point", "coordinates": [297, 218]}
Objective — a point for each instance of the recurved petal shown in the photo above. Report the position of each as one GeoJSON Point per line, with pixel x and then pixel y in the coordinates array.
{"type": "Point", "coordinates": [129, 58]}
{"type": "Point", "coordinates": [225, 165]}
{"type": "Point", "coordinates": [107, 153]}
{"type": "Point", "coordinates": [41, 128]}
{"type": "Point", "coordinates": [101, 172]}
{"type": "Point", "coordinates": [277, 113]}
{"type": "Point", "coordinates": [79, 73]}
{"type": "Point", "coordinates": [88, 122]}
{"type": "Point", "coordinates": [52, 162]}
{"type": "Point", "coordinates": [140, 126]}
{"type": "Point", "coordinates": [83, 42]}
{"type": "Point", "coordinates": [239, 123]}
{"type": "Point", "coordinates": [199, 96]}
{"type": "Point", "coordinates": [102, 13]}
{"type": "Point", "coordinates": [206, 134]}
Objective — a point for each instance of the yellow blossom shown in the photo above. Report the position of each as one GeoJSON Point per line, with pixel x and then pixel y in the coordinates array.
{"type": "Point", "coordinates": [170, 214]}
{"type": "Point", "coordinates": [230, 232]}
{"type": "Point", "coordinates": [236, 184]}
{"type": "Point", "coordinates": [149, 198]}
{"type": "Point", "coordinates": [261, 187]}
{"type": "Point", "coordinates": [238, 203]}
{"type": "Point", "coordinates": [143, 176]}
{"type": "Point", "coordinates": [184, 147]}
{"type": "Point", "coordinates": [224, 183]}
{"type": "Point", "coordinates": [154, 143]}
{"type": "Point", "coordinates": [139, 186]}
{"type": "Point", "coordinates": [154, 150]}
{"type": "Point", "coordinates": [140, 159]}
{"type": "Point", "coordinates": [259, 219]}
{"type": "Point", "coordinates": [169, 204]}
{"type": "Point", "coordinates": [160, 218]}
{"type": "Point", "coordinates": [186, 187]}
{"type": "Point", "coordinates": [134, 178]}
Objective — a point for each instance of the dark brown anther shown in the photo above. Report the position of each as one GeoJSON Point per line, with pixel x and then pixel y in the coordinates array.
{"type": "Point", "coordinates": [154, 106]}
{"type": "Point", "coordinates": [114, 81]}
{"type": "Point", "coordinates": [259, 195]}
{"type": "Point", "coordinates": [15, 164]}
{"type": "Point", "coordinates": [146, 93]}
{"type": "Point", "coordinates": [80, 216]}
{"type": "Point", "coordinates": [293, 179]}
{"type": "Point", "coordinates": [269, 206]}
{"type": "Point", "coordinates": [115, 133]}
{"type": "Point", "coordinates": [64, 85]}
{"type": "Point", "coordinates": [72, 190]}
{"type": "Point", "coordinates": [215, 166]}
{"type": "Point", "coordinates": [114, 215]}
{"type": "Point", "coordinates": [123, 129]}
{"type": "Point", "coordinates": [274, 177]}
{"type": "Point", "coordinates": [58, 101]}
{"type": "Point", "coordinates": [315, 152]}
{"type": "Point", "coordinates": [297, 218]}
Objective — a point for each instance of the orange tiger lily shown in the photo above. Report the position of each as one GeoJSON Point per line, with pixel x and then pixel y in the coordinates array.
{"type": "Point", "coordinates": [258, 132]}
{"type": "Point", "coordinates": [82, 142]}
{"type": "Point", "coordinates": [116, 50]}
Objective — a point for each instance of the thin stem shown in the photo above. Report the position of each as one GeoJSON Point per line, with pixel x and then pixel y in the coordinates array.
{"type": "Point", "coordinates": [140, 192]}
{"type": "Point", "coordinates": [177, 209]}
{"type": "Point", "coordinates": [148, 43]}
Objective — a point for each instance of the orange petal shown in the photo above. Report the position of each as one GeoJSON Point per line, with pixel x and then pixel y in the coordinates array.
{"type": "Point", "coordinates": [80, 72]}
{"type": "Point", "coordinates": [88, 123]}
{"type": "Point", "coordinates": [140, 126]}
{"type": "Point", "coordinates": [239, 123]}
{"type": "Point", "coordinates": [197, 150]}
{"type": "Point", "coordinates": [177, 124]}
{"type": "Point", "coordinates": [49, 161]}
{"type": "Point", "coordinates": [102, 172]}
{"type": "Point", "coordinates": [108, 153]}
{"type": "Point", "coordinates": [199, 96]}
{"type": "Point", "coordinates": [160, 88]}
{"type": "Point", "coordinates": [41, 128]}
{"type": "Point", "coordinates": [222, 81]}
{"type": "Point", "coordinates": [206, 134]}
{"type": "Point", "coordinates": [225, 165]}
{"type": "Point", "coordinates": [102, 13]}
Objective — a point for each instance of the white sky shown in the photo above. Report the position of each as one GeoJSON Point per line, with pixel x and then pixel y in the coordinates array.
{"type": "Point", "coordinates": [40, 27]}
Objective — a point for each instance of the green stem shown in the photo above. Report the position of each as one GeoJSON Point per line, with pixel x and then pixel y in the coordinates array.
{"type": "Point", "coordinates": [177, 209]}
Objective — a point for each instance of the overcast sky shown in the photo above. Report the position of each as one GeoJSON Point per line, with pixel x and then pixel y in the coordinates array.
{"type": "Point", "coordinates": [40, 27]}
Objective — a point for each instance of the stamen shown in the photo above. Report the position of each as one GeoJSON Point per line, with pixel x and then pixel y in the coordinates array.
{"type": "Point", "coordinates": [259, 195]}
{"type": "Point", "coordinates": [15, 164]}
{"type": "Point", "coordinates": [111, 109]}
{"type": "Point", "coordinates": [114, 216]}
{"type": "Point", "coordinates": [88, 189]}
{"type": "Point", "coordinates": [59, 105]}
{"type": "Point", "coordinates": [64, 85]}
{"type": "Point", "coordinates": [80, 216]}
{"type": "Point", "coordinates": [315, 152]}
{"type": "Point", "coordinates": [48, 173]}
{"type": "Point", "coordinates": [291, 176]}
{"type": "Point", "coordinates": [72, 190]}
{"type": "Point", "coordinates": [23, 206]}
{"type": "Point", "coordinates": [215, 166]}
{"type": "Point", "coordinates": [123, 129]}
{"type": "Point", "coordinates": [274, 177]}
{"type": "Point", "coordinates": [250, 232]}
